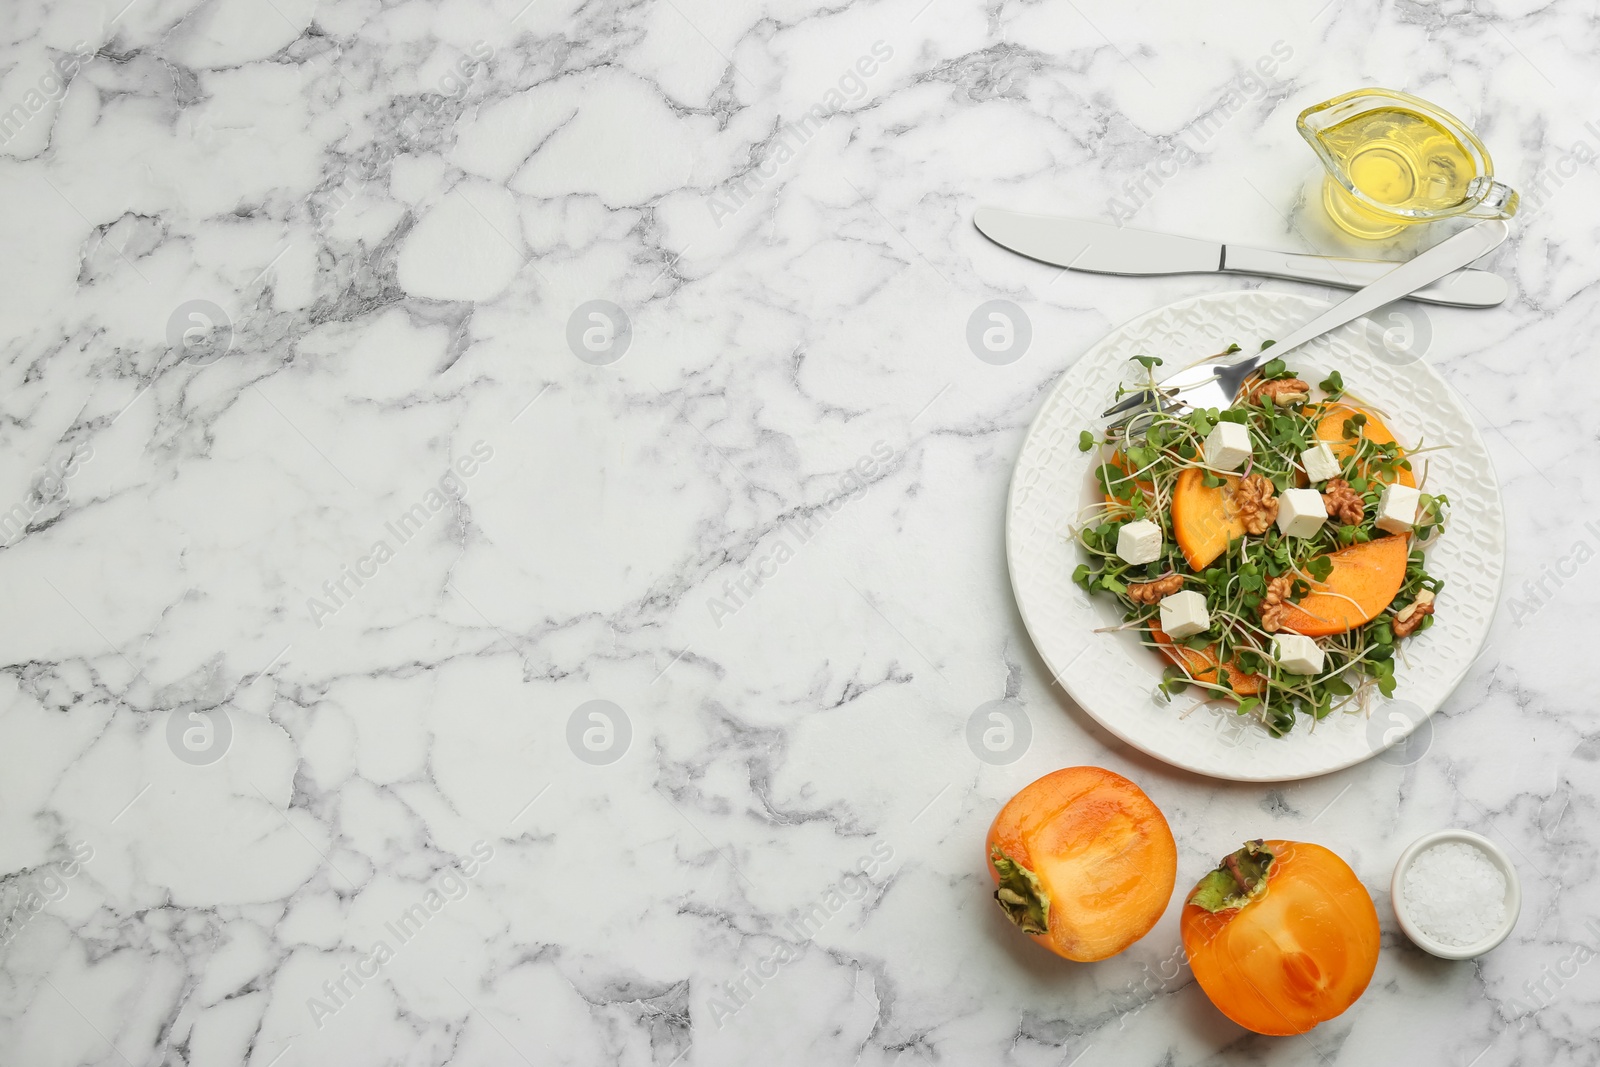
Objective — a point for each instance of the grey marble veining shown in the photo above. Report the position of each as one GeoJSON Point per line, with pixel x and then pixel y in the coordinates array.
{"type": "Point", "coordinates": [386, 384]}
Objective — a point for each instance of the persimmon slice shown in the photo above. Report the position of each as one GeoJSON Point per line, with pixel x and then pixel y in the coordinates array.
{"type": "Point", "coordinates": [1083, 862]}
{"type": "Point", "coordinates": [1201, 664]}
{"type": "Point", "coordinates": [1125, 494]}
{"type": "Point", "coordinates": [1204, 519]}
{"type": "Point", "coordinates": [1365, 579]}
{"type": "Point", "coordinates": [1330, 428]}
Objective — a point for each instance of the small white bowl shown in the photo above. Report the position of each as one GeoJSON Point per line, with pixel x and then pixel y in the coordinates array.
{"type": "Point", "coordinates": [1498, 858]}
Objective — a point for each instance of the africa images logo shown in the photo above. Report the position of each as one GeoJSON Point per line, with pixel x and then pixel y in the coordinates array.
{"type": "Point", "coordinates": [789, 138]}
{"type": "Point", "coordinates": [24, 895]}
{"type": "Point", "coordinates": [451, 487]}
{"type": "Point", "coordinates": [452, 884]}
{"type": "Point", "coordinates": [763, 564]}
{"type": "Point", "coordinates": [803, 925]}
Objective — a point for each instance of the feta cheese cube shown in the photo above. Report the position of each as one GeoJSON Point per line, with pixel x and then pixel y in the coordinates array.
{"type": "Point", "coordinates": [1301, 512]}
{"type": "Point", "coordinates": [1139, 542]}
{"type": "Point", "coordinates": [1320, 463]}
{"type": "Point", "coordinates": [1297, 654]}
{"type": "Point", "coordinates": [1184, 614]}
{"type": "Point", "coordinates": [1397, 508]}
{"type": "Point", "coordinates": [1227, 446]}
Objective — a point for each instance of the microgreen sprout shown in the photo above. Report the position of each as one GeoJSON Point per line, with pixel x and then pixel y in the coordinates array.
{"type": "Point", "coordinates": [1232, 659]}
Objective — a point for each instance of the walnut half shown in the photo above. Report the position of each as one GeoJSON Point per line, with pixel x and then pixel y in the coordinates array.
{"type": "Point", "coordinates": [1275, 604]}
{"type": "Point", "coordinates": [1343, 503]}
{"type": "Point", "coordinates": [1285, 392]}
{"type": "Point", "coordinates": [1408, 618]}
{"type": "Point", "coordinates": [1257, 502]}
{"type": "Point", "coordinates": [1152, 592]}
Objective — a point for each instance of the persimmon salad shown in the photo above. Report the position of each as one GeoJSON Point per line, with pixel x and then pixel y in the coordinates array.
{"type": "Point", "coordinates": [1273, 550]}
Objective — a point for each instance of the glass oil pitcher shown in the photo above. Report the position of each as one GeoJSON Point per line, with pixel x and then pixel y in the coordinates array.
{"type": "Point", "coordinates": [1394, 160]}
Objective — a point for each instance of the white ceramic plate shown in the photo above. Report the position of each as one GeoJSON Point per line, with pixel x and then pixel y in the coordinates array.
{"type": "Point", "coordinates": [1113, 677]}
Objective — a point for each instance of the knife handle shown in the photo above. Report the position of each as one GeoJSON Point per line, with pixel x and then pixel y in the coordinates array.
{"type": "Point", "coordinates": [1462, 288]}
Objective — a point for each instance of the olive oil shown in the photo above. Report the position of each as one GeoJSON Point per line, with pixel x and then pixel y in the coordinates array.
{"type": "Point", "coordinates": [1403, 160]}
{"type": "Point", "coordinates": [1393, 160]}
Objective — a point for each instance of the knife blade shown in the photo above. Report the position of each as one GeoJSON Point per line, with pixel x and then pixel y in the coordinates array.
{"type": "Point", "coordinates": [1101, 248]}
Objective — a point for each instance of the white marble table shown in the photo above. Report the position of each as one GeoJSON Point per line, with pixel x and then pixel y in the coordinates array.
{"type": "Point", "coordinates": [331, 510]}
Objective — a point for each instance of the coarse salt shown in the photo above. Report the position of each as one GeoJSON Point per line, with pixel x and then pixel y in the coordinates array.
{"type": "Point", "coordinates": [1455, 894]}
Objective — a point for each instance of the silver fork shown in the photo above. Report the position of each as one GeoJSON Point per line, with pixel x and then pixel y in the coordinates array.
{"type": "Point", "coordinates": [1215, 385]}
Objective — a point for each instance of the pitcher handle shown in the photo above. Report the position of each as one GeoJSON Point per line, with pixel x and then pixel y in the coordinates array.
{"type": "Point", "coordinates": [1496, 200]}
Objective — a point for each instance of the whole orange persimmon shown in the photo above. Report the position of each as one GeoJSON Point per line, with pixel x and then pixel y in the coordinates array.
{"type": "Point", "coordinates": [1281, 936]}
{"type": "Point", "coordinates": [1083, 862]}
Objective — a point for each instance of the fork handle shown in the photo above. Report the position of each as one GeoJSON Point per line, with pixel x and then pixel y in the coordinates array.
{"type": "Point", "coordinates": [1462, 288]}
{"type": "Point", "coordinates": [1435, 263]}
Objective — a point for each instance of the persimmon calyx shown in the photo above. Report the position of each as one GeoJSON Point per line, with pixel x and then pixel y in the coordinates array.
{"type": "Point", "coordinates": [1238, 879]}
{"type": "Point", "coordinates": [1021, 896]}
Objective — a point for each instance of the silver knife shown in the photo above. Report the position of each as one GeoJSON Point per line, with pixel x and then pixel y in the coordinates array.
{"type": "Point", "coordinates": [1101, 248]}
